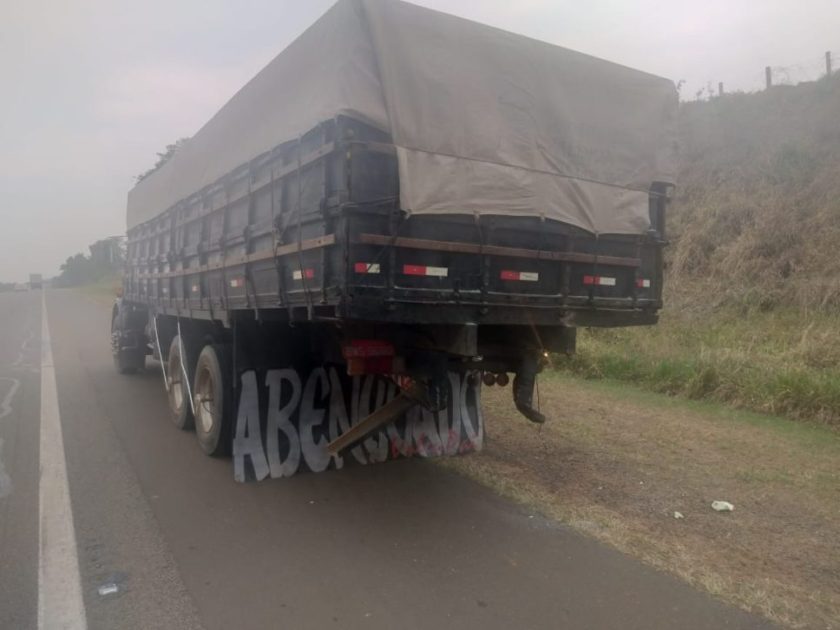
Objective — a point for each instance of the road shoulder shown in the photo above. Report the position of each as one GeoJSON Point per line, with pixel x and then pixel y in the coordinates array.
{"type": "Point", "coordinates": [617, 464]}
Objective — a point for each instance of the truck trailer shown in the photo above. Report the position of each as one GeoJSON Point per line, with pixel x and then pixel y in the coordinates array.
{"type": "Point", "coordinates": [404, 196]}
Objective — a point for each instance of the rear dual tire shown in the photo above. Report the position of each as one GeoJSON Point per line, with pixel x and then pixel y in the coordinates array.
{"type": "Point", "coordinates": [212, 392]}
{"type": "Point", "coordinates": [177, 367]}
{"type": "Point", "coordinates": [126, 360]}
{"type": "Point", "coordinates": [213, 395]}
{"type": "Point", "coordinates": [129, 361]}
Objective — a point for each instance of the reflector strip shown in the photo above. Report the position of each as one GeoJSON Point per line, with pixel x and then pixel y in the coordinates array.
{"type": "Point", "coordinates": [362, 267]}
{"type": "Point", "coordinates": [522, 276]}
{"type": "Point", "coordinates": [237, 283]}
{"type": "Point", "coordinates": [421, 270]}
{"type": "Point", "coordinates": [367, 348]}
{"type": "Point", "coordinates": [601, 281]}
{"type": "Point", "coordinates": [643, 283]}
{"type": "Point", "coordinates": [297, 274]}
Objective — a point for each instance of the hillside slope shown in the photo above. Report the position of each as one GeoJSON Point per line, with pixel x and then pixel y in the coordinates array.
{"type": "Point", "coordinates": [752, 296]}
{"type": "Point", "coordinates": [756, 219]}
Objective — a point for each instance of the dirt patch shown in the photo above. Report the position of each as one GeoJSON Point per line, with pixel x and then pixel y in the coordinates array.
{"type": "Point", "coordinates": [617, 463]}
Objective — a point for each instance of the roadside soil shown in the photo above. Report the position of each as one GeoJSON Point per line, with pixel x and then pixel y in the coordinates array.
{"type": "Point", "coordinates": [618, 463]}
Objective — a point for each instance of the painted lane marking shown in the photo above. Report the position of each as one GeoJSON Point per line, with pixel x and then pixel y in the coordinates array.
{"type": "Point", "coordinates": [19, 363]}
{"type": "Point", "coordinates": [29, 337]}
{"type": "Point", "coordinates": [5, 480]}
{"type": "Point", "coordinates": [6, 404]}
{"type": "Point", "coordinates": [60, 603]}
{"type": "Point", "coordinates": [5, 410]}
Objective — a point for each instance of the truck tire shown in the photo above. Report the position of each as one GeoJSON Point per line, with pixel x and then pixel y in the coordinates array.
{"type": "Point", "coordinates": [179, 402]}
{"type": "Point", "coordinates": [213, 393]}
{"type": "Point", "coordinates": [126, 360]}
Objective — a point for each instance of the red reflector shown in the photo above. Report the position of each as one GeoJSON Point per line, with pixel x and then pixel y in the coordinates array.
{"type": "Point", "coordinates": [370, 365]}
{"type": "Point", "coordinates": [297, 274]}
{"type": "Point", "coordinates": [367, 348]}
{"type": "Point", "coordinates": [422, 270]}
{"type": "Point", "coordinates": [601, 281]}
{"type": "Point", "coordinates": [363, 267]}
{"type": "Point", "coordinates": [522, 276]}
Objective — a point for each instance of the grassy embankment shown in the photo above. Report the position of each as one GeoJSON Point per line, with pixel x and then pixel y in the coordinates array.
{"type": "Point", "coordinates": [781, 362]}
{"type": "Point", "coordinates": [752, 313]}
{"type": "Point", "coordinates": [105, 289]}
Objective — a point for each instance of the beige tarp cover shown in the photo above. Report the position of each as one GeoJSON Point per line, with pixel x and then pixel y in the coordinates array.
{"type": "Point", "coordinates": [484, 121]}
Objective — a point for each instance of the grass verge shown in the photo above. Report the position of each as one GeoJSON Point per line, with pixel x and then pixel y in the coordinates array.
{"type": "Point", "coordinates": [781, 362]}
{"type": "Point", "coordinates": [103, 290]}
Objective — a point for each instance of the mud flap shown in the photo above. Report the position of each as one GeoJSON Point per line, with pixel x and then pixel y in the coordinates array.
{"type": "Point", "coordinates": [286, 417]}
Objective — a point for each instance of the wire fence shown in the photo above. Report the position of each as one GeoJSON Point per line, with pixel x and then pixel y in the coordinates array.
{"type": "Point", "coordinates": [811, 69]}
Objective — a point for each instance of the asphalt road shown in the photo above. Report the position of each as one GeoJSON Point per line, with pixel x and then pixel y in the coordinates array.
{"type": "Point", "coordinates": [397, 545]}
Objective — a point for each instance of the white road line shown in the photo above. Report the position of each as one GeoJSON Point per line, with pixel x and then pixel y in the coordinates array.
{"type": "Point", "coordinates": [23, 349]}
{"type": "Point", "coordinates": [60, 603]}
{"type": "Point", "coordinates": [6, 404]}
{"type": "Point", "coordinates": [5, 410]}
{"type": "Point", "coordinates": [5, 480]}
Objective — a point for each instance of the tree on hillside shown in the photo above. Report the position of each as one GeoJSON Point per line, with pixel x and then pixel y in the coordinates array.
{"type": "Point", "coordinates": [75, 270]}
{"type": "Point", "coordinates": [164, 157]}
{"type": "Point", "coordinates": [106, 258]}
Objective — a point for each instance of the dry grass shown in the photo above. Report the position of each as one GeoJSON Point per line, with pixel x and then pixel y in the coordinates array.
{"type": "Point", "coordinates": [616, 463]}
{"type": "Point", "coordinates": [753, 278]}
{"type": "Point", "coordinates": [757, 215]}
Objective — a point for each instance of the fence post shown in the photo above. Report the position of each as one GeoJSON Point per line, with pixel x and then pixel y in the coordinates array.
{"type": "Point", "coordinates": [828, 63]}
{"type": "Point", "coordinates": [768, 75]}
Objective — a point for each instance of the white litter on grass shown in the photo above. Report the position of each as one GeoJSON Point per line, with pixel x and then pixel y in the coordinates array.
{"type": "Point", "coordinates": [722, 506]}
{"type": "Point", "coordinates": [678, 515]}
{"type": "Point", "coordinates": [108, 589]}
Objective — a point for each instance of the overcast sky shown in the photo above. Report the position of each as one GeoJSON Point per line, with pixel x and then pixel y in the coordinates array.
{"type": "Point", "coordinates": [92, 89]}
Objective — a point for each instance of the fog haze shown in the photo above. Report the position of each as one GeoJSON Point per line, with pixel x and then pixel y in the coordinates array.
{"type": "Point", "coordinates": [94, 89]}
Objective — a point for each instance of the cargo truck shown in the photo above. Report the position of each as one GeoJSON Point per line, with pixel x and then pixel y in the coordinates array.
{"type": "Point", "coordinates": [35, 281]}
{"type": "Point", "coordinates": [400, 193]}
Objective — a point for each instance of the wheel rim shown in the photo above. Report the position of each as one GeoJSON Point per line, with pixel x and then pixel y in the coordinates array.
{"type": "Point", "coordinates": [177, 394]}
{"type": "Point", "coordinates": [204, 394]}
{"type": "Point", "coordinates": [176, 387]}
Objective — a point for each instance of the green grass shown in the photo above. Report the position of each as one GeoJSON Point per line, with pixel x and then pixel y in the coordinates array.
{"type": "Point", "coordinates": [809, 435]}
{"type": "Point", "coordinates": [104, 288]}
{"type": "Point", "coordinates": [782, 363]}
